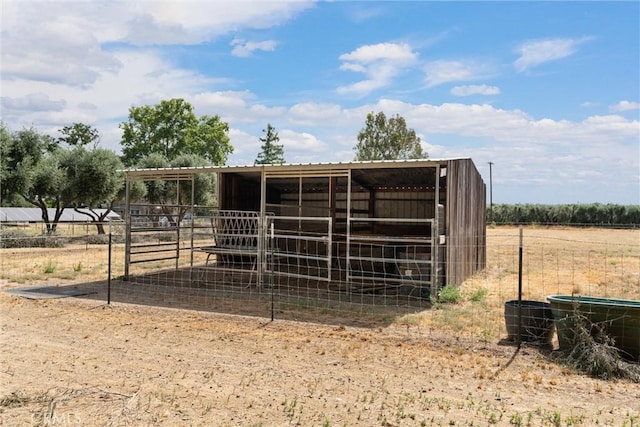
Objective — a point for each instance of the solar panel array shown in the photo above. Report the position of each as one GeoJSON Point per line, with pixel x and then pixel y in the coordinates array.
{"type": "Point", "coordinates": [35, 215]}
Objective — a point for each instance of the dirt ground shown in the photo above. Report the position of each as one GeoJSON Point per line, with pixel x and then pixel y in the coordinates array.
{"type": "Point", "coordinates": [74, 361]}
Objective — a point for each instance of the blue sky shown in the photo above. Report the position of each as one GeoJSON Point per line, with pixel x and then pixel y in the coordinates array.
{"type": "Point", "coordinates": [547, 91]}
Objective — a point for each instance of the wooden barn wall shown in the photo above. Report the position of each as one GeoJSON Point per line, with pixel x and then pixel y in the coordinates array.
{"type": "Point", "coordinates": [466, 222]}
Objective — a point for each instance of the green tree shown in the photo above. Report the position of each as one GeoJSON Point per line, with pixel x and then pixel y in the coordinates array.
{"type": "Point", "coordinates": [383, 139]}
{"type": "Point", "coordinates": [94, 181]}
{"type": "Point", "coordinates": [272, 152]}
{"type": "Point", "coordinates": [79, 135]}
{"type": "Point", "coordinates": [167, 193]}
{"type": "Point", "coordinates": [31, 168]}
{"type": "Point", "coordinates": [171, 128]}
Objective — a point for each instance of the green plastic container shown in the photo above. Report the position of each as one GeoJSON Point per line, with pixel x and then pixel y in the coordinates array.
{"type": "Point", "coordinates": [619, 318]}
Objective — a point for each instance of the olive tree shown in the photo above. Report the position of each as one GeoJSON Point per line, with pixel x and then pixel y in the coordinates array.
{"type": "Point", "coordinates": [95, 180]}
{"type": "Point", "coordinates": [167, 193]}
{"type": "Point", "coordinates": [31, 169]}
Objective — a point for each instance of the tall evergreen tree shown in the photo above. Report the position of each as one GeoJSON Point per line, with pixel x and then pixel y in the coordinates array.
{"type": "Point", "coordinates": [272, 152]}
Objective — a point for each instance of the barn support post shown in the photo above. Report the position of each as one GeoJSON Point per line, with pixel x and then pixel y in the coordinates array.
{"type": "Point", "coordinates": [193, 215]}
{"type": "Point", "coordinates": [347, 255]}
{"type": "Point", "coordinates": [127, 222]}
{"type": "Point", "coordinates": [178, 221]}
{"type": "Point", "coordinates": [299, 241]}
{"type": "Point", "coordinates": [262, 224]}
{"type": "Point", "coordinates": [435, 237]}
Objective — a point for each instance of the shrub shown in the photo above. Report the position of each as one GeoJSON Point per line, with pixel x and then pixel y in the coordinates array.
{"type": "Point", "coordinates": [594, 352]}
{"type": "Point", "coordinates": [449, 295]}
{"type": "Point", "coordinates": [479, 295]}
{"type": "Point", "coordinates": [97, 239]}
{"type": "Point", "coordinates": [18, 239]}
{"type": "Point", "coordinates": [49, 268]}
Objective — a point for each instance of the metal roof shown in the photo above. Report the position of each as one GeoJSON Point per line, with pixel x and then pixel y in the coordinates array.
{"type": "Point", "coordinates": [35, 215]}
{"type": "Point", "coordinates": [272, 170]}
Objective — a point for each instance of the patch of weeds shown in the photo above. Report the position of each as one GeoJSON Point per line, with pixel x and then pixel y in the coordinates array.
{"type": "Point", "coordinates": [493, 418]}
{"type": "Point", "coordinates": [77, 267]}
{"type": "Point", "coordinates": [452, 318]}
{"type": "Point", "coordinates": [573, 420]}
{"type": "Point", "coordinates": [449, 295]}
{"type": "Point", "coordinates": [555, 418]}
{"type": "Point", "coordinates": [409, 320]}
{"type": "Point", "coordinates": [14, 399]}
{"type": "Point", "coordinates": [516, 420]}
{"type": "Point", "coordinates": [49, 268]}
{"type": "Point", "coordinates": [290, 407]}
{"type": "Point", "coordinates": [479, 295]}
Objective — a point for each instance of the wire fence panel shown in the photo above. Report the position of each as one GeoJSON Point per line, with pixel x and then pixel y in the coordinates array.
{"type": "Point", "coordinates": [304, 275]}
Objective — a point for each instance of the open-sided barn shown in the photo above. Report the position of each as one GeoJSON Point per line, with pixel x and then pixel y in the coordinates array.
{"type": "Point", "coordinates": [403, 227]}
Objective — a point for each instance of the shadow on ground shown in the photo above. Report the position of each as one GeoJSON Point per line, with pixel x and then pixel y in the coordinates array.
{"type": "Point", "coordinates": [171, 289]}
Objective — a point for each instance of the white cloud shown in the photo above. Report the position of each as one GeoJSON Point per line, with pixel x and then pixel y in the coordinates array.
{"type": "Point", "coordinates": [624, 106]}
{"type": "Point", "coordinates": [245, 49]}
{"type": "Point", "coordinates": [54, 42]}
{"type": "Point", "coordinates": [301, 141]}
{"type": "Point", "coordinates": [439, 72]}
{"type": "Point", "coordinates": [315, 113]}
{"type": "Point", "coordinates": [515, 126]}
{"type": "Point", "coordinates": [475, 90]}
{"type": "Point", "coordinates": [536, 52]}
{"type": "Point", "coordinates": [589, 104]}
{"type": "Point", "coordinates": [245, 146]}
{"type": "Point", "coordinates": [383, 51]}
{"type": "Point", "coordinates": [361, 12]}
{"type": "Point", "coordinates": [33, 102]}
{"type": "Point", "coordinates": [79, 63]}
{"type": "Point", "coordinates": [380, 63]}
{"type": "Point", "coordinates": [156, 22]}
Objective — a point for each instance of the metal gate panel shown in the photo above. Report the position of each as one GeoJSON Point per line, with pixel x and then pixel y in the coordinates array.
{"type": "Point", "coordinates": [300, 247]}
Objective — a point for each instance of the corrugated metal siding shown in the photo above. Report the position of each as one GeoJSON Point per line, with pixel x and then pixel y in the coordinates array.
{"type": "Point", "coordinates": [466, 222]}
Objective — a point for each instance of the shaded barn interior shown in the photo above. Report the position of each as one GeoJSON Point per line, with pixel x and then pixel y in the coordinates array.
{"type": "Point", "coordinates": [390, 227]}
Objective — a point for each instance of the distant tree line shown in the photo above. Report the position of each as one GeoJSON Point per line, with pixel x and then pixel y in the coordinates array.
{"type": "Point", "coordinates": [594, 214]}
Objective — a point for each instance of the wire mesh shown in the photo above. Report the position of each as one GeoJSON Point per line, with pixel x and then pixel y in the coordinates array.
{"type": "Point", "coordinates": [291, 280]}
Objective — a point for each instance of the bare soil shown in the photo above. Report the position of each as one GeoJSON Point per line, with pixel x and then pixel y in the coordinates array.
{"type": "Point", "coordinates": [74, 361]}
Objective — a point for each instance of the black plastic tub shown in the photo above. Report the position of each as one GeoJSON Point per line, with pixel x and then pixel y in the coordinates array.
{"type": "Point", "coordinates": [537, 321]}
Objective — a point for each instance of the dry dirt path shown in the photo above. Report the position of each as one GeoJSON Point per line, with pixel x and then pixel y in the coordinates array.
{"type": "Point", "coordinates": [76, 362]}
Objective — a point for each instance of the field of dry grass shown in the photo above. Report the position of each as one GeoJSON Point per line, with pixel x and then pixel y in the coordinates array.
{"type": "Point", "coordinates": [79, 361]}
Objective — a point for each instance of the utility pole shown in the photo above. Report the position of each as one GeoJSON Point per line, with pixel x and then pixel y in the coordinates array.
{"type": "Point", "coordinates": [490, 191]}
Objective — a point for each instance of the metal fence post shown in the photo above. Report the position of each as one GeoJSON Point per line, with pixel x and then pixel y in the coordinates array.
{"type": "Point", "coordinates": [109, 272]}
